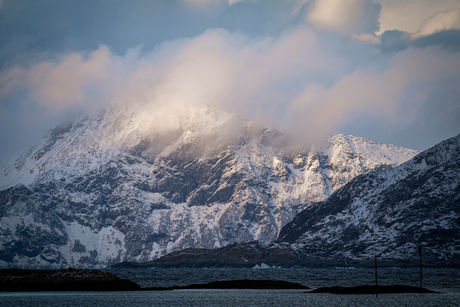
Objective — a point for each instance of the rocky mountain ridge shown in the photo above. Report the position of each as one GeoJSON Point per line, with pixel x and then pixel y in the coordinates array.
{"type": "Point", "coordinates": [132, 184]}
{"type": "Point", "coordinates": [389, 213]}
{"type": "Point", "coordinates": [382, 213]}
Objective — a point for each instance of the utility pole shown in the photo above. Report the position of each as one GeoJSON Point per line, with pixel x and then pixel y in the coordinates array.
{"type": "Point", "coordinates": [376, 285]}
{"type": "Point", "coordinates": [419, 249]}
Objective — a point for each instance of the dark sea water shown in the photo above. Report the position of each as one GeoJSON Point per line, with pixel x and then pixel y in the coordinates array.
{"type": "Point", "coordinates": [446, 281]}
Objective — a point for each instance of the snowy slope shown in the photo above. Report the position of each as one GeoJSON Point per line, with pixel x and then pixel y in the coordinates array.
{"type": "Point", "coordinates": [389, 214]}
{"type": "Point", "coordinates": [134, 184]}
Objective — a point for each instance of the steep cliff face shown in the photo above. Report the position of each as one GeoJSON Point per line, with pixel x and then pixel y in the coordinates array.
{"type": "Point", "coordinates": [389, 213]}
{"type": "Point", "coordinates": [132, 184]}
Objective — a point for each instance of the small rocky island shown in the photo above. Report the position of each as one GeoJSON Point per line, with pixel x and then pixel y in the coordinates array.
{"type": "Point", "coordinates": [372, 289]}
{"type": "Point", "coordinates": [17, 280]}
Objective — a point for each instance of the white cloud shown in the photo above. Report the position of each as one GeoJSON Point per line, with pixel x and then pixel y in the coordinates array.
{"type": "Point", "coordinates": [205, 69]}
{"type": "Point", "coordinates": [334, 14]}
{"type": "Point", "coordinates": [406, 84]}
{"type": "Point", "coordinates": [251, 77]}
{"type": "Point", "coordinates": [292, 82]}
{"type": "Point", "coordinates": [344, 16]}
{"type": "Point", "coordinates": [62, 83]}
{"type": "Point", "coordinates": [230, 2]}
{"type": "Point", "coordinates": [367, 38]}
{"type": "Point", "coordinates": [408, 15]}
{"type": "Point", "coordinates": [440, 21]}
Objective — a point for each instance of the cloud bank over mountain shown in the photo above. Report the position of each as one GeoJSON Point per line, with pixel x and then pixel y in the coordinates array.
{"type": "Point", "coordinates": [387, 70]}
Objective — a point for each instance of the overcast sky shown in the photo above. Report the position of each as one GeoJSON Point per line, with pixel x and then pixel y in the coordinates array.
{"type": "Point", "coordinates": [387, 70]}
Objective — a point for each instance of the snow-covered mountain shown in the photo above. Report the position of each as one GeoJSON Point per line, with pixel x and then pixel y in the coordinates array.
{"type": "Point", "coordinates": [388, 214]}
{"type": "Point", "coordinates": [382, 213]}
{"type": "Point", "coordinates": [132, 184]}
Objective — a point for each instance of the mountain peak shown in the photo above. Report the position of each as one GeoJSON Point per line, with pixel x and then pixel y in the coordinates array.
{"type": "Point", "coordinates": [142, 182]}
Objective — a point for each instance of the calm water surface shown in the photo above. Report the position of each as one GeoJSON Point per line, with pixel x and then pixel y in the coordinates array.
{"type": "Point", "coordinates": [446, 281]}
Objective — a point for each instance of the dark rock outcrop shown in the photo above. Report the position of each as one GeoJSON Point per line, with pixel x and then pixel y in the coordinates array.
{"type": "Point", "coordinates": [16, 280]}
